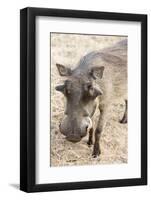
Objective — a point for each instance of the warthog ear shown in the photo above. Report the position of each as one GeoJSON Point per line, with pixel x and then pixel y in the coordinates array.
{"type": "Point", "coordinates": [60, 88]}
{"type": "Point", "coordinates": [97, 72]}
{"type": "Point", "coordinates": [63, 71]}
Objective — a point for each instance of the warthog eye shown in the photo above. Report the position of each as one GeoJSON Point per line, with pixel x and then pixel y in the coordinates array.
{"type": "Point", "coordinates": [64, 89]}
{"type": "Point", "coordinates": [67, 91]}
{"type": "Point", "coordinates": [88, 86]}
{"type": "Point", "coordinates": [91, 92]}
{"type": "Point", "coordinates": [68, 87]}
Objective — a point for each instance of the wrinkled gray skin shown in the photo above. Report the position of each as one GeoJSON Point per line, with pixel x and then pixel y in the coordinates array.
{"type": "Point", "coordinates": [90, 85]}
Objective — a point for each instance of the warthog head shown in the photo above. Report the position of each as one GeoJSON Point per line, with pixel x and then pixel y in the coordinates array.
{"type": "Point", "coordinates": [80, 94]}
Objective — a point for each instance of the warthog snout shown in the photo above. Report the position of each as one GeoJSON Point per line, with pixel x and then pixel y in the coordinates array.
{"type": "Point", "coordinates": [75, 129]}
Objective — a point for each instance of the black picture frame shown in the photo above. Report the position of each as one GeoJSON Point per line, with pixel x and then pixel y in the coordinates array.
{"type": "Point", "coordinates": [28, 99]}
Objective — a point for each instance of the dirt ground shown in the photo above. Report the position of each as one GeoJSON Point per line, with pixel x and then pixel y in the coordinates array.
{"type": "Point", "coordinates": [67, 49]}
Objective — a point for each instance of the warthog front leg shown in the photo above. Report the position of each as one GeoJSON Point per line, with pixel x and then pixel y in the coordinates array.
{"type": "Point", "coordinates": [90, 140]}
{"type": "Point", "coordinates": [124, 119]}
{"type": "Point", "coordinates": [98, 131]}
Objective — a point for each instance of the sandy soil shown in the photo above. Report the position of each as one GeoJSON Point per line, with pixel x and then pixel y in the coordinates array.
{"type": "Point", "coordinates": [67, 49]}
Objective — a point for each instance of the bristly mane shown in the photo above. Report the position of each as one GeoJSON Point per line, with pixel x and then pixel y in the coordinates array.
{"type": "Point", "coordinates": [112, 54]}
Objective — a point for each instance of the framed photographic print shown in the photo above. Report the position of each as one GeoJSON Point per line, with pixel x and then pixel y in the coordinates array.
{"type": "Point", "coordinates": [83, 99]}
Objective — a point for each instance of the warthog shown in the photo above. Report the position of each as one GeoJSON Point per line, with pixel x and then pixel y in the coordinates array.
{"type": "Point", "coordinates": [93, 84]}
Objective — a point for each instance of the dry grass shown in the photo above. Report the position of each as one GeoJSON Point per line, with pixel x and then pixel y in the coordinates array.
{"type": "Point", "coordinates": [67, 49]}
